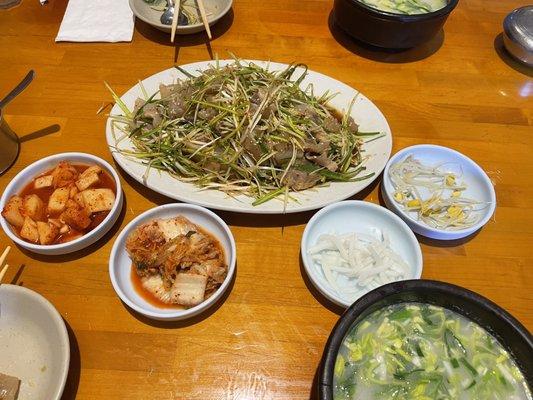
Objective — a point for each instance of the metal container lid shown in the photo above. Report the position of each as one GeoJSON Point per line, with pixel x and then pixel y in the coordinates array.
{"type": "Point", "coordinates": [518, 34]}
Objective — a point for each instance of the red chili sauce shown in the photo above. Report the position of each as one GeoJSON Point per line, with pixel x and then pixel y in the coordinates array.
{"type": "Point", "coordinates": [153, 300]}
{"type": "Point", "coordinates": [146, 295]}
{"type": "Point", "coordinates": [106, 181]}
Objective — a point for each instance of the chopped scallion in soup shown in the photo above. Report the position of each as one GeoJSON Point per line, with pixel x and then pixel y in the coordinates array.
{"type": "Point", "coordinates": [413, 351]}
{"type": "Point", "coordinates": [406, 6]}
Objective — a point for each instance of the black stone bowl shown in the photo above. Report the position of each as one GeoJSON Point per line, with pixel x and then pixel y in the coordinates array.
{"type": "Point", "coordinates": [388, 30]}
{"type": "Point", "coordinates": [514, 337]}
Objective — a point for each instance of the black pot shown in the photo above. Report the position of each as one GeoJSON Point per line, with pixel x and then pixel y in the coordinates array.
{"type": "Point", "coordinates": [388, 30]}
{"type": "Point", "coordinates": [514, 337]}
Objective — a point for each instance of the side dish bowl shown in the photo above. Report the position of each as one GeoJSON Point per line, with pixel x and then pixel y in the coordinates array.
{"type": "Point", "coordinates": [34, 343]}
{"type": "Point", "coordinates": [361, 217]}
{"type": "Point", "coordinates": [386, 29]}
{"type": "Point", "coordinates": [120, 263]}
{"type": "Point", "coordinates": [215, 9]}
{"type": "Point", "coordinates": [25, 176]}
{"type": "Point", "coordinates": [479, 187]}
{"type": "Point", "coordinates": [514, 337]}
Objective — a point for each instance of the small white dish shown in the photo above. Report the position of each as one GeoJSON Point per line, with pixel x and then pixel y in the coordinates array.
{"type": "Point", "coordinates": [479, 186]}
{"type": "Point", "coordinates": [360, 217]}
{"type": "Point", "coordinates": [34, 343]}
{"type": "Point", "coordinates": [215, 9]}
{"type": "Point", "coordinates": [45, 164]}
{"type": "Point", "coordinates": [120, 262]}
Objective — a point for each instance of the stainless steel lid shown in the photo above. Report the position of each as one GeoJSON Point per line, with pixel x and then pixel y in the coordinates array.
{"type": "Point", "coordinates": [518, 34]}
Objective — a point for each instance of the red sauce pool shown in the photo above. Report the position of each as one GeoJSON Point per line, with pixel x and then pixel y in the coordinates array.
{"type": "Point", "coordinates": [147, 296]}
{"type": "Point", "coordinates": [106, 182]}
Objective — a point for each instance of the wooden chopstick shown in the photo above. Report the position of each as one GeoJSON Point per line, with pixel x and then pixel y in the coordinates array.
{"type": "Point", "coordinates": [4, 255]}
{"type": "Point", "coordinates": [2, 259]}
{"type": "Point", "coordinates": [204, 18]}
{"type": "Point", "coordinates": [3, 272]}
{"type": "Point", "coordinates": [175, 19]}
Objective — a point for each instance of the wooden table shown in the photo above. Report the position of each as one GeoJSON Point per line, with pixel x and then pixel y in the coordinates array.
{"type": "Point", "coordinates": [265, 341]}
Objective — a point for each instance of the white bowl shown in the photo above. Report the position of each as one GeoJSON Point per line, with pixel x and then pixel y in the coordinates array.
{"type": "Point", "coordinates": [360, 217]}
{"type": "Point", "coordinates": [216, 8]}
{"type": "Point", "coordinates": [34, 343]}
{"type": "Point", "coordinates": [479, 186]}
{"type": "Point", "coordinates": [120, 262]}
{"type": "Point", "coordinates": [45, 164]}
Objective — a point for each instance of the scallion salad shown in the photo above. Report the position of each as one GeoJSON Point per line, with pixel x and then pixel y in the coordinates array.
{"type": "Point", "coordinates": [242, 129]}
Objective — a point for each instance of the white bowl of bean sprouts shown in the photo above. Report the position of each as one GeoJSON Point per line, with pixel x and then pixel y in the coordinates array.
{"type": "Point", "coordinates": [439, 192]}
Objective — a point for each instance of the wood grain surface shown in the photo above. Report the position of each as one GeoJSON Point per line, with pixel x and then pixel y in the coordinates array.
{"type": "Point", "coordinates": [265, 340]}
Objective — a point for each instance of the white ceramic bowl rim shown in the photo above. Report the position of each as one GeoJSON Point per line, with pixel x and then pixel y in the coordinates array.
{"type": "Point", "coordinates": [60, 157]}
{"type": "Point", "coordinates": [182, 314]}
{"type": "Point", "coordinates": [211, 20]}
{"type": "Point", "coordinates": [483, 175]}
{"type": "Point", "coordinates": [58, 322]}
{"type": "Point", "coordinates": [327, 290]}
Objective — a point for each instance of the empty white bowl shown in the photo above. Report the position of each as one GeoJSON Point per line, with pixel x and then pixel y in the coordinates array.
{"type": "Point", "coordinates": [45, 164]}
{"type": "Point", "coordinates": [215, 9]}
{"type": "Point", "coordinates": [120, 263]}
{"type": "Point", "coordinates": [479, 186]}
{"type": "Point", "coordinates": [360, 217]}
{"type": "Point", "coordinates": [34, 343]}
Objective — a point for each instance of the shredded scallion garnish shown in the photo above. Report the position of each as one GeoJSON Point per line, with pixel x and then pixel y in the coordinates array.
{"type": "Point", "coordinates": [243, 129]}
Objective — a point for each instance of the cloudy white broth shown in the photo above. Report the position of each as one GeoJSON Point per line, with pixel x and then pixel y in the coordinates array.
{"type": "Point", "coordinates": [414, 351]}
{"type": "Point", "coordinates": [406, 6]}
